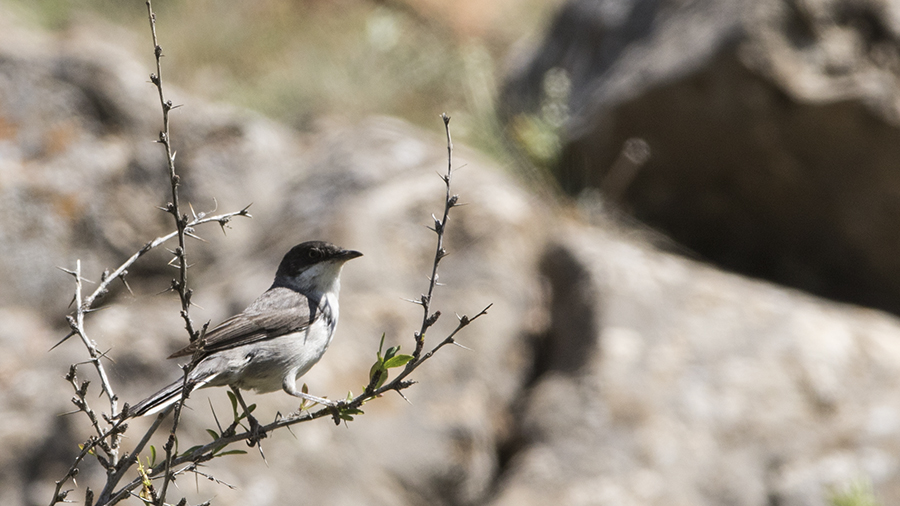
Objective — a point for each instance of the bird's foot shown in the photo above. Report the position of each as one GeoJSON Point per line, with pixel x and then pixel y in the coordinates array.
{"type": "Point", "coordinates": [256, 432]}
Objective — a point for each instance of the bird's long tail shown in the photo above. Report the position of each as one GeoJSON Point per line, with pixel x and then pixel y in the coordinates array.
{"type": "Point", "coordinates": [170, 394]}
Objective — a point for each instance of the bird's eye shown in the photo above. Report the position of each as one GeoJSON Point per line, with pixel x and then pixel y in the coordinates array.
{"type": "Point", "coordinates": [314, 254]}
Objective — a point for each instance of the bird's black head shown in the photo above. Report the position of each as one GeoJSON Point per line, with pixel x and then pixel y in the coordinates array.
{"type": "Point", "coordinates": [303, 256]}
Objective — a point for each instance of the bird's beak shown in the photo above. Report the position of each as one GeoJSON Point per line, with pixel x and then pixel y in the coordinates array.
{"type": "Point", "coordinates": [348, 254]}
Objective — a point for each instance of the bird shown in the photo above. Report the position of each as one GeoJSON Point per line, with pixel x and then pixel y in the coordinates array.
{"type": "Point", "coordinates": [275, 340]}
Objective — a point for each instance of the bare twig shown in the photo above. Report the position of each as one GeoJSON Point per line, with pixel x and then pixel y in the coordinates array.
{"type": "Point", "coordinates": [181, 221]}
{"type": "Point", "coordinates": [109, 441]}
{"type": "Point", "coordinates": [105, 445]}
{"type": "Point", "coordinates": [429, 319]}
{"type": "Point", "coordinates": [122, 270]}
{"type": "Point", "coordinates": [173, 208]}
{"type": "Point", "coordinates": [126, 463]}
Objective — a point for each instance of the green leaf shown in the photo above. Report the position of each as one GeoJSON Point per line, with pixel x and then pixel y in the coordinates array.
{"type": "Point", "coordinates": [191, 450]}
{"type": "Point", "coordinates": [152, 456]}
{"type": "Point", "coordinates": [234, 403]}
{"type": "Point", "coordinates": [347, 414]}
{"type": "Point", "coordinates": [231, 452]}
{"type": "Point", "coordinates": [214, 434]}
{"type": "Point", "coordinates": [397, 361]}
{"type": "Point", "coordinates": [379, 370]}
{"type": "Point", "coordinates": [380, 346]}
{"type": "Point", "coordinates": [391, 352]}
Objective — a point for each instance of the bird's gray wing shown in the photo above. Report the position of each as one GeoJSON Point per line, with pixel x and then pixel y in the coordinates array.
{"type": "Point", "coordinates": [277, 312]}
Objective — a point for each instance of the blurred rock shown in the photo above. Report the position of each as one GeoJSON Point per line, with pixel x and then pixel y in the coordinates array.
{"type": "Point", "coordinates": [704, 388]}
{"type": "Point", "coordinates": [773, 127]}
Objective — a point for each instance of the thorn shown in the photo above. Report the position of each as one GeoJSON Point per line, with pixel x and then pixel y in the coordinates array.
{"type": "Point", "coordinates": [195, 236]}
{"type": "Point", "coordinates": [261, 453]}
{"type": "Point", "coordinates": [400, 393]}
{"type": "Point", "coordinates": [95, 309]}
{"type": "Point", "coordinates": [216, 418]}
{"type": "Point", "coordinates": [418, 302]}
{"type": "Point", "coordinates": [107, 357]}
{"type": "Point", "coordinates": [72, 333]}
{"type": "Point", "coordinates": [67, 271]}
{"type": "Point", "coordinates": [454, 343]}
{"type": "Point", "coordinates": [122, 277]}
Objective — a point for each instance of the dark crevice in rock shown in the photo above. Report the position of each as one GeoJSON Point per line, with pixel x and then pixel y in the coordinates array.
{"type": "Point", "coordinates": [566, 346]}
{"type": "Point", "coordinates": [569, 342]}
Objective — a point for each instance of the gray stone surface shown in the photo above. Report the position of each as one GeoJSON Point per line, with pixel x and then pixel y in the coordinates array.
{"type": "Point", "coordinates": [773, 128]}
{"type": "Point", "coordinates": [701, 387]}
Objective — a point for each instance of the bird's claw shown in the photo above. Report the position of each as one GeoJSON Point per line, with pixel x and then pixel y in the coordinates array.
{"type": "Point", "coordinates": [335, 408]}
{"type": "Point", "coordinates": [256, 435]}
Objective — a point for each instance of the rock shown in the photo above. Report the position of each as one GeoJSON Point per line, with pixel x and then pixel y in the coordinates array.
{"type": "Point", "coordinates": [700, 387]}
{"type": "Point", "coordinates": [773, 129]}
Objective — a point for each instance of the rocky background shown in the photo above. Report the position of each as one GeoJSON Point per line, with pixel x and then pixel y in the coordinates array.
{"type": "Point", "coordinates": [619, 364]}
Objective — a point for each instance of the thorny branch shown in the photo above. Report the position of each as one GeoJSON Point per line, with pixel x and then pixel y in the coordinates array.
{"type": "Point", "coordinates": [343, 410]}
{"type": "Point", "coordinates": [173, 208]}
{"type": "Point", "coordinates": [105, 444]}
{"type": "Point", "coordinates": [180, 285]}
{"type": "Point", "coordinates": [107, 441]}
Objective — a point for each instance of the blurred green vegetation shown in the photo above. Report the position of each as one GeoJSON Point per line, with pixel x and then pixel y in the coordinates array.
{"type": "Point", "coordinates": [298, 60]}
{"type": "Point", "coordinates": [858, 493]}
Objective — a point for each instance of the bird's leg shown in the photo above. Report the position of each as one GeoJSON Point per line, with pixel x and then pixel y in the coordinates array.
{"type": "Point", "coordinates": [290, 386]}
{"type": "Point", "coordinates": [255, 434]}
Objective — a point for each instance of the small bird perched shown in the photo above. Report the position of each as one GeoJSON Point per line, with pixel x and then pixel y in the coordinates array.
{"type": "Point", "coordinates": [277, 339]}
